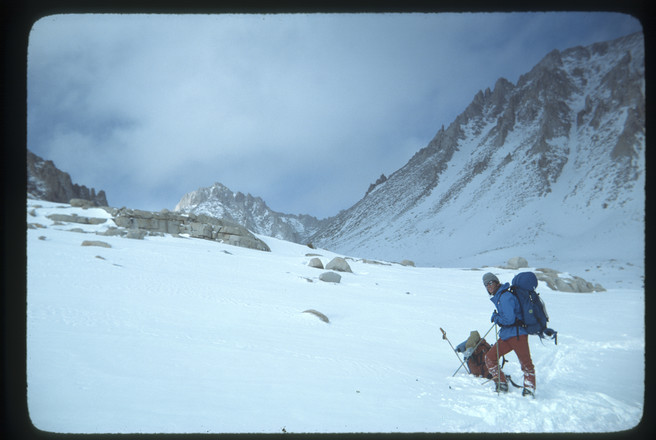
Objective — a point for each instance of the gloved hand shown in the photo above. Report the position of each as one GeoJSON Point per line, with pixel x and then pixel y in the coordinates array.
{"type": "Point", "coordinates": [494, 317]}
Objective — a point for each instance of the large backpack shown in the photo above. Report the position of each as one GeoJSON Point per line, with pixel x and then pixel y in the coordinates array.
{"type": "Point", "coordinates": [476, 361]}
{"type": "Point", "coordinates": [534, 315]}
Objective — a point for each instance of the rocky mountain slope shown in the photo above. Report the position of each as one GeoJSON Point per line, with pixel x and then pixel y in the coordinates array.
{"type": "Point", "coordinates": [558, 157]}
{"type": "Point", "coordinates": [46, 182]}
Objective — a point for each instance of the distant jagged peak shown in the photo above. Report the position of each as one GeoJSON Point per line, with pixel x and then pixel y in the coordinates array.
{"type": "Point", "coordinates": [252, 212]}
{"type": "Point", "coordinates": [219, 193]}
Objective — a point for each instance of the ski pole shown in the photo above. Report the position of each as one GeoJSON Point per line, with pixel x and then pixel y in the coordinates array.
{"type": "Point", "coordinates": [496, 332]}
{"type": "Point", "coordinates": [454, 350]}
{"type": "Point", "coordinates": [475, 347]}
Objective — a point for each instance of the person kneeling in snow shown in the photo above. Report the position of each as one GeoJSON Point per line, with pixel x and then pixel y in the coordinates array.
{"type": "Point", "coordinates": [474, 350]}
{"type": "Point", "coordinates": [512, 337]}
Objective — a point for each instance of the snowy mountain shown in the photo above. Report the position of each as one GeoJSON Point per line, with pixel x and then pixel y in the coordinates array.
{"type": "Point", "coordinates": [172, 334]}
{"type": "Point", "coordinates": [558, 158]}
{"type": "Point", "coordinates": [251, 212]}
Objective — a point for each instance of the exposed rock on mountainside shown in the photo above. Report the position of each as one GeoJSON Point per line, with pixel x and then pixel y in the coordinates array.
{"type": "Point", "coordinates": [380, 180]}
{"type": "Point", "coordinates": [251, 212]}
{"type": "Point", "coordinates": [46, 182]}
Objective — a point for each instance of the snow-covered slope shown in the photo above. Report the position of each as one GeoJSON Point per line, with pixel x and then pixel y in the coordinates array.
{"type": "Point", "coordinates": [549, 168]}
{"type": "Point", "coordinates": [182, 335]}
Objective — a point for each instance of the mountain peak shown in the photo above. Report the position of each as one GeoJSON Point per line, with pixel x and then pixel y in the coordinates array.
{"type": "Point", "coordinates": [249, 211]}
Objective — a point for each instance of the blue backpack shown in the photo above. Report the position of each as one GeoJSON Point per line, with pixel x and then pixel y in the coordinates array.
{"type": "Point", "coordinates": [534, 313]}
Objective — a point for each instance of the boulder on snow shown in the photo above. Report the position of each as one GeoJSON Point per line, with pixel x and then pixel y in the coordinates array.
{"type": "Point", "coordinates": [113, 231]}
{"type": "Point", "coordinates": [82, 203]}
{"type": "Point", "coordinates": [136, 234]}
{"type": "Point", "coordinates": [330, 277]}
{"type": "Point", "coordinates": [375, 262]}
{"type": "Point", "coordinates": [517, 263]}
{"type": "Point", "coordinates": [408, 263]}
{"type": "Point", "coordinates": [339, 264]}
{"type": "Point", "coordinates": [566, 284]}
{"type": "Point", "coordinates": [74, 218]}
{"type": "Point", "coordinates": [316, 263]}
{"type": "Point", "coordinates": [318, 314]}
{"type": "Point", "coordinates": [96, 243]}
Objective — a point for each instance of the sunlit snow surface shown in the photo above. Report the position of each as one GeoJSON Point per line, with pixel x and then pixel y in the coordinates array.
{"type": "Point", "coordinates": [181, 335]}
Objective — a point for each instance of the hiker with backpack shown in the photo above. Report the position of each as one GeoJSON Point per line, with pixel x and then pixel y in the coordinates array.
{"type": "Point", "coordinates": [513, 336]}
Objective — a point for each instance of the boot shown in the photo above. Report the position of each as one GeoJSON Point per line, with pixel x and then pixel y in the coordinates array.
{"type": "Point", "coordinates": [528, 392]}
{"type": "Point", "coordinates": [501, 387]}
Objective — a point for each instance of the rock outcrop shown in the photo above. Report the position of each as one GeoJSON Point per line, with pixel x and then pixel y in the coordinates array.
{"type": "Point", "coordinates": [197, 226]}
{"type": "Point", "coordinates": [553, 278]}
{"type": "Point", "coordinates": [46, 182]}
{"type": "Point", "coordinates": [566, 283]}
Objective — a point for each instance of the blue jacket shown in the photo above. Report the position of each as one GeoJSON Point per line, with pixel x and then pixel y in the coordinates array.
{"type": "Point", "coordinates": [507, 312]}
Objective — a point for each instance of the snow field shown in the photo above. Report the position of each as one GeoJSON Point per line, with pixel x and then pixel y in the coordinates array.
{"type": "Point", "coordinates": [183, 335]}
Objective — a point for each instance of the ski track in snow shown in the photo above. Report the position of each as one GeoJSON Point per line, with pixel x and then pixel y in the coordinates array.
{"type": "Point", "coordinates": [183, 335]}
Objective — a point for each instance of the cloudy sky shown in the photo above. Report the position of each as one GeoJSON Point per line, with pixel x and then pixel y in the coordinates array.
{"type": "Point", "coordinates": [303, 110]}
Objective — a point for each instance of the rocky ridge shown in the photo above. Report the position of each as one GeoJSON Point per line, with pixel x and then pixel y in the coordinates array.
{"type": "Point", "coordinates": [46, 182]}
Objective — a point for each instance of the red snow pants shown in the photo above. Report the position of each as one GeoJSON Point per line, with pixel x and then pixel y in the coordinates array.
{"type": "Point", "coordinates": [520, 347]}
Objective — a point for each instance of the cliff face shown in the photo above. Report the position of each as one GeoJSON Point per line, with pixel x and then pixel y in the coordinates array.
{"type": "Point", "coordinates": [46, 182]}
